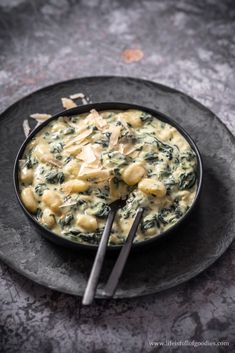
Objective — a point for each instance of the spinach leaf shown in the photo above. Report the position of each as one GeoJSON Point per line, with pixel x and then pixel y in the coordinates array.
{"type": "Point", "coordinates": [146, 117]}
{"type": "Point", "coordinates": [67, 160]}
{"type": "Point", "coordinates": [39, 213]}
{"type": "Point", "coordinates": [165, 173]}
{"type": "Point", "coordinates": [66, 220]}
{"type": "Point", "coordinates": [117, 176]}
{"type": "Point", "coordinates": [105, 139]}
{"type": "Point", "coordinates": [167, 215]}
{"type": "Point", "coordinates": [69, 130]}
{"type": "Point", "coordinates": [126, 212]}
{"type": "Point", "coordinates": [116, 181]}
{"type": "Point", "coordinates": [168, 150]}
{"type": "Point", "coordinates": [57, 147]}
{"type": "Point", "coordinates": [41, 170]}
{"type": "Point", "coordinates": [102, 210]}
{"type": "Point", "coordinates": [91, 238]}
{"type": "Point", "coordinates": [163, 147]}
{"type": "Point", "coordinates": [134, 200]}
{"type": "Point", "coordinates": [79, 202]}
{"type": "Point", "coordinates": [189, 156]}
{"type": "Point", "coordinates": [161, 216]}
{"type": "Point", "coordinates": [148, 223]}
{"type": "Point", "coordinates": [169, 183]}
{"type": "Point", "coordinates": [40, 188]}
{"type": "Point", "coordinates": [151, 157]}
{"type": "Point", "coordinates": [102, 194]}
{"type": "Point", "coordinates": [117, 173]}
{"type": "Point", "coordinates": [55, 177]}
{"type": "Point", "coordinates": [30, 161]}
{"type": "Point", "coordinates": [59, 157]}
{"type": "Point", "coordinates": [187, 181]}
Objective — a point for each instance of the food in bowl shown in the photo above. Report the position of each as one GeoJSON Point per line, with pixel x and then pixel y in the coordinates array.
{"type": "Point", "coordinates": [76, 166]}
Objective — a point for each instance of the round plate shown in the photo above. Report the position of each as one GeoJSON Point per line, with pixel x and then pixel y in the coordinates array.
{"type": "Point", "coordinates": [173, 260]}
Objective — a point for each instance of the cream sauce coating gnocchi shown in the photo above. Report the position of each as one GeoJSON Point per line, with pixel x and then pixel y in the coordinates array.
{"type": "Point", "coordinates": [76, 166]}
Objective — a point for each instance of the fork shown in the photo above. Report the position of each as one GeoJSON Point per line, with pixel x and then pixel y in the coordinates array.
{"type": "Point", "coordinates": [99, 259]}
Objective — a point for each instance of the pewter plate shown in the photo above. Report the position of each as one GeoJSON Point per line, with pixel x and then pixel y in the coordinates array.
{"type": "Point", "coordinates": [184, 254]}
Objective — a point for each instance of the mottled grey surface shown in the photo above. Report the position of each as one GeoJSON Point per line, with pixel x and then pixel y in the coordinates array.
{"type": "Point", "coordinates": [187, 45]}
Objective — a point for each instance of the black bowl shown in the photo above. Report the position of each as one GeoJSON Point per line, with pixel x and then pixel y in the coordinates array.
{"type": "Point", "coordinates": [101, 107]}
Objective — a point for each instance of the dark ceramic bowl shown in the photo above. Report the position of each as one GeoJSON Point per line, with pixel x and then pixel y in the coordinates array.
{"type": "Point", "coordinates": [101, 107]}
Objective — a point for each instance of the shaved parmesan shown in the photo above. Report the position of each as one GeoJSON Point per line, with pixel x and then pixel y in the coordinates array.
{"type": "Point", "coordinates": [87, 172]}
{"type": "Point", "coordinates": [97, 150]}
{"type": "Point", "coordinates": [72, 150]}
{"type": "Point", "coordinates": [77, 96]}
{"type": "Point", "coordinates": [78, 138]}
{"type": "Point", "coordinates": [54, 163]}
{"type": "Point", "coordinates": [68, 204]}
{"type": "Point", "coordinates": [100, 123]}
{"type": "Point", "coordinates": [96, 119]}
{"type": "Point", "coordinates": [26, 127]}
{"type": "Point", "coordinates": [87, 154]}
{"type": "Point", "coordinates": [69, 122]}
{"type": "Point", "coordinates": [125, 149]}
{"type": "Point", "coordinates": [91, 116]}
{"type": "Point", "coordinates": [85, 100]}
{"type": "Point", "coordinates": [68, 103]}
{"type": "Point", "coordinates": [40, 117]}
{"type": "Point", "coordinates": [22, 163]}
{"type": "Point", "coordinates": [115, 133]}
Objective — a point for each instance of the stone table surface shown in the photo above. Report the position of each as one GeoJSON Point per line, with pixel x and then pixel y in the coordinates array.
{"type": "Point", "coordinates": [188, 45]}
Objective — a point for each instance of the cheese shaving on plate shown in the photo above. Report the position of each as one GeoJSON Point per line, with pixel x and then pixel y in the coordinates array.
{"type": "Point", "coordinates": [40, 117]}
{"type": "Point", "coordinates": [26, 127]}
{"type": "Point", "coordinates": [68, 103]}
{"type": "Point", "coordinates": [77, 96]}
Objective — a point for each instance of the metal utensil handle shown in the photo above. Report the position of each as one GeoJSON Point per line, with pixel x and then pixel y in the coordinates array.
{"type": "Point", "coordinates": [97, 265]}
{"type": "Point", "coordinates": [122, 258]}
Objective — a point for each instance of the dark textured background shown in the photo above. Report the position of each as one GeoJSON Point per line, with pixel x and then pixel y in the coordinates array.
{"type": "Point", "coordinates": [189, 45]}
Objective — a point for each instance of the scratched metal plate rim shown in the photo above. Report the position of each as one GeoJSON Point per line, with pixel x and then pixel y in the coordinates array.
{"type": "Point", "coordinates": [204, 239]}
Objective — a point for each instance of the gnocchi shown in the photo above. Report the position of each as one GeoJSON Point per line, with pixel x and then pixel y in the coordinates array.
{"type": "Point", "coordinates": [132, 117]}
{"type": "Point", "coordinates": [75, 185]}
{"type": "Point", "coordinates": [52, 200]}
{"type": "Point", "coordinates": [26, 176]}
{"type": "Point", "coordinates": [42, 152]}
{"type": "Point", "coordinates": [133, 174]}
{"type": "Point", "coordinates": [29, 200]}
{"type": "Point", "coordinates": [153, 187]}
{"type": "Point", "coordinates": [48, 218]}
{"type": "Point", "coordinates": [87, 222]}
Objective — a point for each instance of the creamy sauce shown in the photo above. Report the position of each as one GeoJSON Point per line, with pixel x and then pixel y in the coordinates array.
{"type": "Point", "coordinates": [76, 166]}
